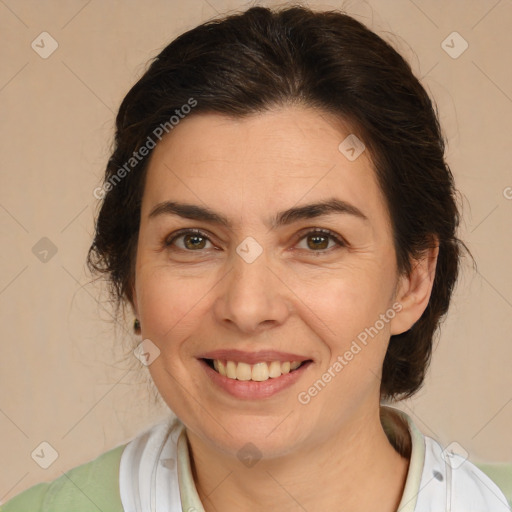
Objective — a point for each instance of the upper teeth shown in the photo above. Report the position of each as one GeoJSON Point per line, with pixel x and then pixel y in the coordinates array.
{"type": "Point", "coordinates": [259, 371]}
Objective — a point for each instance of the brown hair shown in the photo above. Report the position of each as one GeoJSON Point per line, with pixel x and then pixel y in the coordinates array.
{"type": "Point", "coordinates": [262, 58]}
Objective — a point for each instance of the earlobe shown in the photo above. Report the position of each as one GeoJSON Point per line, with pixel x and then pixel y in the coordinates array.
{"type": "Point", "coordinates": [414, 290]}
{"type": "Point", "coordinates": [135, 308]}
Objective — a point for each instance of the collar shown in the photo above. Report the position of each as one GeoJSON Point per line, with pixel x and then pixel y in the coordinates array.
{"type": "Point", "coordinates": [189, 498]}
{"type": "Point", "coordinates": [416, 459]}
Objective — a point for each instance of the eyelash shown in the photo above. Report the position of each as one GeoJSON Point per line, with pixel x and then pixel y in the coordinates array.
{"type": "Point", "coordinates": [330, 234]}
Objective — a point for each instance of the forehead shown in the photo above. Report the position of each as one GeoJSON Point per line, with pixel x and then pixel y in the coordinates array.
{"type": "Point", "coordinates": [261, 162]}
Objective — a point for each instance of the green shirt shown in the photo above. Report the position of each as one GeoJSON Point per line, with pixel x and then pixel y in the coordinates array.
{"type": "Point", "coordinates": [90, 487]}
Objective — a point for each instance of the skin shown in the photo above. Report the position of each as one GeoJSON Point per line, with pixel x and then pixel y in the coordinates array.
{"type": "Point", "coordinates": [331, 453]}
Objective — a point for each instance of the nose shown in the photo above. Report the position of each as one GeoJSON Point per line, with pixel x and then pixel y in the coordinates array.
{"type": "Point", "coordinates": [252, 297]}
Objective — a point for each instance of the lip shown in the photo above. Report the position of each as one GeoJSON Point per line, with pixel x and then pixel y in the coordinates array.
{"type": "Point", "coordinates": [252, 390]}
{"type": "Point", "coordinates": [241, 356]}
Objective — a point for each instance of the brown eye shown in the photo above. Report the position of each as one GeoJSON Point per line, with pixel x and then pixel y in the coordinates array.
{"type": "Point", "coordinates": [318, 240]}
{"type": "Point", "coordinates": [193, 240]}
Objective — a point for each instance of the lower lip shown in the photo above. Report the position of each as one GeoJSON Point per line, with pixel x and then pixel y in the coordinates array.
{"type": "Point", "coordinates": [252, 390]}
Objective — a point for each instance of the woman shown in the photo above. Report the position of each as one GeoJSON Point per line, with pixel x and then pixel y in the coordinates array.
{"type": "Point", "coordinates": [279, 215]}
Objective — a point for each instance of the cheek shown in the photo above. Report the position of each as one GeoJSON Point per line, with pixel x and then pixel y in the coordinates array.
{"type": "Point", "coordinates": [172, 307]}
{"type": "Point", "coordinates": [161, 302]}
{"type": "Point", "coordinates": [345, 301]}
{"type": "Point", "coordinates": [345, 313]}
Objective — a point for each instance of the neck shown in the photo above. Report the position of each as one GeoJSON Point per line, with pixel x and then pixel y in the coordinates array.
{"type": "Point", "coordinates": [357, 469]}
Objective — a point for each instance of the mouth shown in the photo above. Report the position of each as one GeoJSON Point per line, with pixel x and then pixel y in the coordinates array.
{"type": "Point", "coordinates": [257, 372]}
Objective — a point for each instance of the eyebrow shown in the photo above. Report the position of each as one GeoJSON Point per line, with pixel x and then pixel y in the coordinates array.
{"type": "Point", "coordinates": [295, 214]}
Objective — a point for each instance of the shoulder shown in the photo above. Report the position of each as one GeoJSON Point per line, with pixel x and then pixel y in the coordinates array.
{"type": "Point", "coordinates": [501, 474]}
{"type": "Point", "coordinates": [451, 482]}
{"type": "Point", "coordinates": [91, 486]}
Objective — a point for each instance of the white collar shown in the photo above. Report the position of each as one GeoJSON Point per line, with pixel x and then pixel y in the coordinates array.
{"type": "Point", "coordinates": [151, 476]}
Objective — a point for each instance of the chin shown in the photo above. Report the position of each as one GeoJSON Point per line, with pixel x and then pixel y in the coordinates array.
{"type": "Point", "coordinates": [249, 435]}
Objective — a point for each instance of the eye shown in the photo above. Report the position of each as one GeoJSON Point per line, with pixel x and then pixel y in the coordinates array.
{"type": "Point", "coordinates": [318, 240]}
{"type": "Point", "coordinates": [193, 239]}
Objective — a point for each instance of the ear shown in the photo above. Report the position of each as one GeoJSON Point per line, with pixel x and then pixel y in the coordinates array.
{"type": "Point", "coordinates": [413, 291]}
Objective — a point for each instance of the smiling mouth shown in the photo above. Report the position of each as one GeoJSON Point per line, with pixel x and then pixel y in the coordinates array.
{"type": "Point", "coordinates": [256, 372]}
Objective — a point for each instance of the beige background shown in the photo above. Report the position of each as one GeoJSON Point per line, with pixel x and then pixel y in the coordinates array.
{"type": "Point", "coordinates": [63, 375]}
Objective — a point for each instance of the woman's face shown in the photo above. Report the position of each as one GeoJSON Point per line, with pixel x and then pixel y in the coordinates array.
{"type": "Point", "coordinates": [266, 286]}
